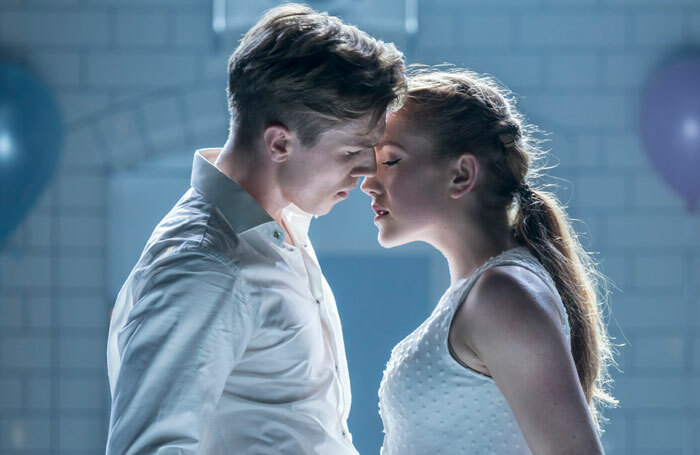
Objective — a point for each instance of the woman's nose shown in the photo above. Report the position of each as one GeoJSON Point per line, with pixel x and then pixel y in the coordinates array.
{"type": "Point", "coordinates": [371, 186]}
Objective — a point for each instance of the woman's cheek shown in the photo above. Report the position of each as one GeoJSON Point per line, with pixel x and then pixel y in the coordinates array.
{"type": "Point", "coordinates": [414, 194]}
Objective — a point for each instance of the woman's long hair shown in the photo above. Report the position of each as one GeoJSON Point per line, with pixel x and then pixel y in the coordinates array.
{"type": "Point", "coordinates": [462, 111]}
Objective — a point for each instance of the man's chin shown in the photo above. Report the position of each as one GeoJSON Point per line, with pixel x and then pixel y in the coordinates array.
{"type": "Point", "coordinates": [320, 210]}
{"type": "Point", "coordinates": [323, 207]}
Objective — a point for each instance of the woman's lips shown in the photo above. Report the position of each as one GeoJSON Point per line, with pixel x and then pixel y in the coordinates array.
{"type": "Point", "coordinates": [379, 211]}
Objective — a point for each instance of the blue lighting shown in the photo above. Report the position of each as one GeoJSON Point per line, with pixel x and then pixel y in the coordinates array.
{"type": "Point", "coordinates": [691, 129]}
{"type": "Point", "coordinates": [6, 146]}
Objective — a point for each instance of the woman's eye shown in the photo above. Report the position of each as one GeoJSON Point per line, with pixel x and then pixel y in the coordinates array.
{"type": "Point", "coordinates": [353, 153]}
{"type": "Point", "coordinates": [392, 162]}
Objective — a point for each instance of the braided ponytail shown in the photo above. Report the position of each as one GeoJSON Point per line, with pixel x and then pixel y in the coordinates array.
{"type": "Point", "coordinates": [543, 227]}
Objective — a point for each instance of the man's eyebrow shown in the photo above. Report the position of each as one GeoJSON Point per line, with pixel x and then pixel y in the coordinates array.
{"type": "Point", "coordinates": [364, 144]}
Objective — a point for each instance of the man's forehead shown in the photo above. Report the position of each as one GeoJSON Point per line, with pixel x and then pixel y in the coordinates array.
{"type": "Point", "coordinates": [358, 134]}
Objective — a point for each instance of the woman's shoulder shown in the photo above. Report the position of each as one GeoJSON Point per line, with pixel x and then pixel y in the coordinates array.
{"type": "Point", "coordinates": [507, 302]}
{"type": "Point", "coordinates": [511, 284]}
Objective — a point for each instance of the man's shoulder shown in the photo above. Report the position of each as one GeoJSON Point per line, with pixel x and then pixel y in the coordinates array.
{"type": "Point", "coordinates": [193, 226]}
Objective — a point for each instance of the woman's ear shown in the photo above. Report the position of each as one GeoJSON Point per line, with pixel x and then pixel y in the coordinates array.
{"type": "Point", "coordinates": [278, 142]}
{"type": "Point", "coordinates": [464, 175]}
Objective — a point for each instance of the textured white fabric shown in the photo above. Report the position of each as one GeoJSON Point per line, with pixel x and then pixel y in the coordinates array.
{"type": "Point", "coordinates": [224, 338]}
{"type": "Point", "coordinates": [430, 404]}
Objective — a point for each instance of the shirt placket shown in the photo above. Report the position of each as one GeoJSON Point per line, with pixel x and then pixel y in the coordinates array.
{"type": "Point", "coordinates": [315, 280]}
{"type": "Point", "coordinates": [316, 283]}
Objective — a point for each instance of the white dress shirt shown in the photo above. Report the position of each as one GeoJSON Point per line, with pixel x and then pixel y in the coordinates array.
{"type": "Point", "coordinates": [224, 338]}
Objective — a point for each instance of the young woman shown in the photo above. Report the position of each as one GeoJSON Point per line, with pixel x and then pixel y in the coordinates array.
{"type": "Point", "coordinates": [514, 357]}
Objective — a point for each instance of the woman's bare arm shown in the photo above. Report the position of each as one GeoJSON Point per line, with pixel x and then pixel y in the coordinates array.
{"type": "Point", "coordinates": [511, 321]}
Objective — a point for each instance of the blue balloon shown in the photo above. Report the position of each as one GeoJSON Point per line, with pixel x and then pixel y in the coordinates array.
{"type": "Point", "coordinates": [670, 126]}
{"type": "Point", "coordinates": [30, 143]}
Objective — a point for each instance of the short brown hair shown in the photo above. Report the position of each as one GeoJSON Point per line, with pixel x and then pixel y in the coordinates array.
{"type": "Point", "coordinates": [309, 72]}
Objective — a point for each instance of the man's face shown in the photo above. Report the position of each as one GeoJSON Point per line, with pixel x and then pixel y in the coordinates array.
{"type": "Point", "coordinates": [316, 178]}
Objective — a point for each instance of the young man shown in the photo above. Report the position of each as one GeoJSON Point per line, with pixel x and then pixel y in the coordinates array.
{"type": "Point", "coordinates": [225, 338]}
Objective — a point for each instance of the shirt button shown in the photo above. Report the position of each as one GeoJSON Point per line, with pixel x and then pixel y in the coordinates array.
{"type": "Point", "coordinates": [277, 234]}
{"type": "Point", "coordinates": [336, 368]}
{"type": "Point", "coordinates": [318, 301]}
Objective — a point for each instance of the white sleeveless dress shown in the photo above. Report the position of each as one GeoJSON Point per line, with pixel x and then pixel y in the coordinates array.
{"type": "Point", "coordinates": [430, 404]}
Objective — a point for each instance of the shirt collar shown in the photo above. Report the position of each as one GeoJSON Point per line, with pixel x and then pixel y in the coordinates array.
{"type": "Point", "coordinates": [239, 208]}
{"type": "Point", "coordinates": [298, 222]}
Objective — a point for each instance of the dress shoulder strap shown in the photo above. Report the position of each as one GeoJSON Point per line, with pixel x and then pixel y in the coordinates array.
{"type": "Point", "coordinates": [521, 257]}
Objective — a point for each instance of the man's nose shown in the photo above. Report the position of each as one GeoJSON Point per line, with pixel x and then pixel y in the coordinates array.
{"type": "Point", "coordinates": [368, 166]}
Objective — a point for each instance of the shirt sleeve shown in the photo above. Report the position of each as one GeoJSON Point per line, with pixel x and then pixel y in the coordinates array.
{"type": "Point", "coordinates": [189, 326]}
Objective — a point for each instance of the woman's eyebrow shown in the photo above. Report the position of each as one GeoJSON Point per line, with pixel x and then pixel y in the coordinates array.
{"type": "Point", "coordinates": [385, 143]}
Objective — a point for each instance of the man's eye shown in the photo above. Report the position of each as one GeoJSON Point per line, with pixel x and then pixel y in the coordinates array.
{"type": "Point", "coordinates": [392, 162]}
{"type": "Point", "coordinates": [353, 153]}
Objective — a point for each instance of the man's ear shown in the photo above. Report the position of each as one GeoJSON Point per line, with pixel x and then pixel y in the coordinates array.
{"type": "Point", "coordinates": [464, 174]}
{"type": "Point", "coordinates": [278, 142]}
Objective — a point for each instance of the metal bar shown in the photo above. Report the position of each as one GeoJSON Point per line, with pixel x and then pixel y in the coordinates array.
{"type": "Point", "coordinates": [218, 22]}
{"type": "Point", "coordinates": [411, 22]}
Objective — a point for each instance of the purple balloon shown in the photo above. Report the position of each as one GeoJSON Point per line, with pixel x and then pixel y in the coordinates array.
{"type": "Point", "coordinates": [670, 126]}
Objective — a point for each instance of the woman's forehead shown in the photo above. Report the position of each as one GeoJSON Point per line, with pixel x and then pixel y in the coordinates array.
{"type": "Point", "coordinates": [403, 128]}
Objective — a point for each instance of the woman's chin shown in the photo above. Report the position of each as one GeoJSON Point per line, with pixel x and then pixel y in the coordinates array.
{"type": "Point", "coordinates": [387, 240]}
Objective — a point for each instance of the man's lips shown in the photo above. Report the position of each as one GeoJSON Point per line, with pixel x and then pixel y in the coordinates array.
{"type": "Point", "coordinates": [345, 193]}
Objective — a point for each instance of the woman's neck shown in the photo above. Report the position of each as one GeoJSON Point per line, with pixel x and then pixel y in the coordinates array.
{"type": "Point", "coordinates": [469, 243]}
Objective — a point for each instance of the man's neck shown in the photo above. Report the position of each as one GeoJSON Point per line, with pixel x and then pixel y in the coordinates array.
{"type": "Point", "coordinates": [256, 177]}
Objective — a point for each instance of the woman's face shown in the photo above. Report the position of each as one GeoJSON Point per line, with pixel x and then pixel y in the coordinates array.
{"type": "Point", "coordinates": [410, 189]}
